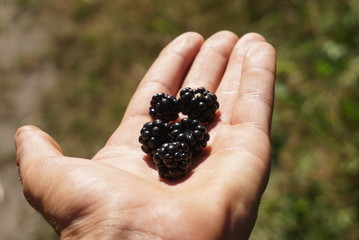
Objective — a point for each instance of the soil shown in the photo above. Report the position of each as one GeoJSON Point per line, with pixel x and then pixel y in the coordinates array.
{"type": "Point", "coordinates": [24, 79]}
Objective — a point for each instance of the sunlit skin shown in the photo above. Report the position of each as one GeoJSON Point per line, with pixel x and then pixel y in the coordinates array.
{"type": "Point", "coordinates": [118, 194]}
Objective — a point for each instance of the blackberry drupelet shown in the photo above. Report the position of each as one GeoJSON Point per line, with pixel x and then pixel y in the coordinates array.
{"type": "Point", "coordinates": [173, 160]}
{"type": "Point", "coordinates": [198, 104]}
{"type": "Point", "coordinates": [190, 132]}
{"type": "Point", "coordinates": [153, 135]}
{"type": "Point", "coordinates": [164, 107]}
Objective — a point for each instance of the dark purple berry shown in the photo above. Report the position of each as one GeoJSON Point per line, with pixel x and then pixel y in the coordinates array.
{"type": "Point", "coordinates": [173, 160]}
{"type": "Point", "coordinates": [153, 135]}
{"type": "Point", "coordinates": [190, 132]}
{"type": "Point", "coordinates": [198, 104]}
{"type": "Point", "coordinates": [164, 107]}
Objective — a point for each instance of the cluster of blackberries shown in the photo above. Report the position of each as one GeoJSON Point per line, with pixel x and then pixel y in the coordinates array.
{"type": "Point", "coordinates": [172, 144]}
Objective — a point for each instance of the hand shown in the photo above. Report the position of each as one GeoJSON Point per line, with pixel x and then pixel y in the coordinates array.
{"type": "Point", "coordinates": [118, 194]}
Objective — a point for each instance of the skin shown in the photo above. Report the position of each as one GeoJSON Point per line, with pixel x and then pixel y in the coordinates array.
{"type": "Point", "coordinates": [118, 195]}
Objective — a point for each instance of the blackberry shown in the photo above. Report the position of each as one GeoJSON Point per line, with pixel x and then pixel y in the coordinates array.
{"type": "Point", "coordinates": [173, 160]}
{"type": "Point", "coordinates": [164, 107]}
{"type": "Point", "coordinates": [198, 104]}
{"type": "Point", "coordinates": [153, 135]}
{"type": "Point", "coordinates": [190, 132]}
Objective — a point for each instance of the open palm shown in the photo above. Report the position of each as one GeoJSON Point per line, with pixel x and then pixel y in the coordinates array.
{"type": "Point", "coordinates": [118, 193]}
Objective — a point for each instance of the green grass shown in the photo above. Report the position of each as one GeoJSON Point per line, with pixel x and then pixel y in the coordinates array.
{"type": "Point", "coordinates": [103, 48]}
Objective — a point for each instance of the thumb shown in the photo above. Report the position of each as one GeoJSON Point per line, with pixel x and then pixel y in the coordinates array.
{"type": "Point", "coordinates": [34, 148]}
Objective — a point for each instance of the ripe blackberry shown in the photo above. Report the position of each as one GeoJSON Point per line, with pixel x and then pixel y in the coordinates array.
{"type": "Point", "coordinates": [173, 160]}
{"type": "Point", "coordinates": [198, 104]}
{"type": "Point", "coordinates": [164, 107]}
{"type": "Point", "coordinates": [190, 132]}
{"type": "Point", "coordinates": [153, 135]}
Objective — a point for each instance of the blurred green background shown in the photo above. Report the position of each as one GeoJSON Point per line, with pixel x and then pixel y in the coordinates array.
{"type": "Point", "coordinates": [70, 67]}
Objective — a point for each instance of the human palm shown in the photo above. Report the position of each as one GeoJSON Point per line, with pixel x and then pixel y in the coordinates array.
{"type": "Point", "coordinates": [118, 193]}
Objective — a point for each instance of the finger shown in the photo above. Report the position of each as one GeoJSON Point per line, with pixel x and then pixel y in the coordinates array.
{"type": "Point", "coordinates": [208, 68]}
{"type": "Point", "coordinates": [33, 149]}
{"type": "Point", "coordinates": [165, 75]}
{"type": "Point", "coordinates": [228, 89]}
{"type": "Point", "coordinates": [255, 99]}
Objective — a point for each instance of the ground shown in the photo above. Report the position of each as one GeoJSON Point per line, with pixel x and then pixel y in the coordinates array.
{"type": "Point", "coordinates": [21, 38]}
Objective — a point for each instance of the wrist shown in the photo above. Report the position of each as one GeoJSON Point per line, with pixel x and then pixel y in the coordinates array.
{"type": "Point", "coordinates": [109, 229]}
